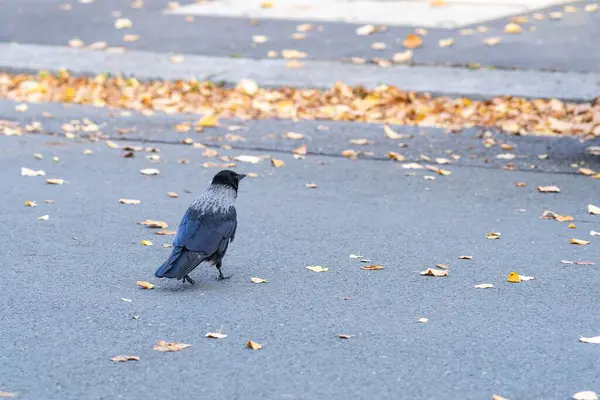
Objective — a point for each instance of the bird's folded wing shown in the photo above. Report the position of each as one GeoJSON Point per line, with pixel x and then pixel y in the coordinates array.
{"type": "Point", "coordinates": [202, 232]}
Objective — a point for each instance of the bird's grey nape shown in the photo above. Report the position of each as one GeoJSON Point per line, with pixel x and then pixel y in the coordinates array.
{"type": "Point", "coordinates": [217, 199]}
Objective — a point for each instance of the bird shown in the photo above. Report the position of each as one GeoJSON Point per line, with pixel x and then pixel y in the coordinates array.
{"type": "Point", "coordinates": [206, 229]}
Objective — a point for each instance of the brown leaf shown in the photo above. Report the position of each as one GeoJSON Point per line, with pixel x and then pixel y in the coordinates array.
{"type": "Point", "coordinates": [520, 184]}
{"type": "Point", "coordinates": [162, 345]}
{"type": "Point", "coordinates": [579, 241]}
{"type": "Point", "coordinates": [465, 257]}
{"type": "Point", "coordinates": [372, 267]}
{"type": "Point", "coordinates": [144, 285]}
{"type": "Point", "coordinates": [166, 233]}
{"type": "Point", "coordinates": [154, 224]}
{"type": "Point", "coordinates": [443, 266]}
{"type": "Point", "coordinates": [129, 201]}
{"type": "Point", "coordinates": [293, 135]}
{"type": "Point", "coordinates": [548, 189]}
{"type": "Point", "coordinates": [395, 156]}
{"type": "Point", "coordinates": [300, 150]}
{"type": "Point", "coordinates": [277, 163]}
{"type": "Point", "coordinates": [253, 345]}
{"type": "Point", "coordinates": [125, 358]}
{"type": "Point", "coordinates": [547, 214]}
{"type": "Point", "coordinates": [54, 181]}
{"type": "Point", "coordinates": [438, 170]}
{"type": "Point", "coordinates": [350, 153]}
{"type": "Point", "coordinates": [216, 335]}
{"type": "Point", "coordinates": [412, 41]}
{"type": "Point", "coordinates": [434, 272]}
{"type": "Point", "coordinates": [172, 194]}
{"type": "Point", "coordinates": [345, 336]}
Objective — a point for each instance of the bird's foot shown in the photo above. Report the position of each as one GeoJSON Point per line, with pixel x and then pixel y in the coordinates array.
{"type": "Point", "coordinates": [222, 277]}
{"type": "Point", "coordinates": [190, 280]}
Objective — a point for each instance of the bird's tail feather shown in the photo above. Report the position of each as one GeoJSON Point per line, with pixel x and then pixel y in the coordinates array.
{"type": "Point", "coordinates": [180, 263]}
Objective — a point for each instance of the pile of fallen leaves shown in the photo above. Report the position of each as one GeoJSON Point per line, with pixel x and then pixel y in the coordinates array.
{"type": "Point", "coordinates": [384, 104]}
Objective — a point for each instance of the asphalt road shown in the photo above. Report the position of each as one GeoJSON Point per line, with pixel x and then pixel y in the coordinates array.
{"type": "Point", "coordinates": [63, 317]}
{"type": "Point", "coordinates": [567, 44]}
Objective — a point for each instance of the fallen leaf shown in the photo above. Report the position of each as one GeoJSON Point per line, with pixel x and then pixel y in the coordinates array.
{"type": "Point", "coordinates": [443, 266]}
{"type": "Point", "coordinates": [44, 217]}
{"type": "Point", "coordinates": [548, 189]}
{"type": "Point", "coordinates": [443, 43]}
{"type": "Point", "coordinates": [29, 203]}
{"type": "Point", "coordinates": [300, 150]}
{"type": "Point", "coordinates": [21, 107]}
{"type": "Point", "coordinates": [166, 233]}
{"type": "Point", "coordinates": [360, 142]}
{"type": "Point", "coordinates": [123, 23]}
{"type": "Point", "coordinates": [31, 172]}
{"type": "Point", "coordinates": [594, 339]}
{"type": "Point", "coordinates": [395, 156]}
{"type": "Point", "coordinates": [594, 233]}
{"type": "Point", "coordinates": [402, 57]}
{"type": "Point", "coordinates": [253, 345]}
{"type": "Point", "coordinates": [378, 46]}
{"type": "Point", "coordinates": [55, 181]}
{"type": "Point", "coordinates": [216, 335]}
{"type": "Point", "coordinates": [345, 336]}
{"type": "Point", "coordinates": [484, 286]}
{"type": "Point", "coordinates": [412, 41]}
{"type": "Point", "coordinates": [317, 268]}
{"type": "Point", "coordinates": [572, 226]}
{"type": "Point", "coordinates": [292, 54]}
{"type": "Point", "coordinates": [248, 159]}
{"type": "Point", "coordinates": [498, 397]}
{"type": "Point", "coordinates": [372, 267]}
{"type": "Point", "coordinates": [146, 242]}
{"type": "Point", "coordinates": [172, 194]}
{"type": "Point", "coordinates": [248, 87]}
{"type": "Point", "coordinates": [258, 280]}
{"type": "Point", "coordinates": [586, 171]}
{"type": "Point", "coordinates": [412, 166]}
{"type": "Point", "coordinates": [587, 394]}
{"type": "Point", "coordinates": [423, 320]}
{"type": "Point", "coordinates": [150, 223]}
{"type": "Point", "coordinates": [350, 153]}
{"type": "Point", "coordinates": [520, 184]}
{"type": "Point", "coordinates": [579, 241]}
{"type": "Point", "coordinates": [311, 185]}
{"type": "Point", "coordinates": [131, 38]}
{"type": "Point", "coordinates": [555, 15]}
{"type": "Point", "coordinates": [594, 210]}
{"type": "Point", "coordinates": [176, 58]}
{"type": "Point", "coordinates": [591, 7]}
{"type": "Point", "coordinates": [465, 257]}
{"type": "Point", "coordinates": [293, 135]}
{"type": "Point", "coordinates": [365, 30]}
{"type": "Point", "coordinates": [355, 256]}
{"type": "Point", "coordinates": [259, 39]}
{"type": "Point", "coordinates": [492, 41]}
{"type": "Point", "coordinates": [166, 245]}
{"type": "Point", "coordinates": [161, 345]}
{"type": "Point", "coordinates": [88, 152]}
{"type": "Point", "coordinates": [438, 170]}
{"type": "Point", "coordinates": [547, 214]}
{"type": "Point", "coordinates": [513, 277]}
{"type": "Point", "coordinates": [149, 171]}
{"type": "Point", "coordinates": [144, 285]}
{"type": "Point", "coordinates": [266, 4]}
{"type": "Point", "coordinates": [210, 153]}
{"type": "Point", "coordinates": [513, 28]}
{"type": "Point", "coordinates": [493, 235]}
{"type": "Point", "coordinates": [129, 201]}
{"type": "Point", "coordinates": [208, 121]}
{"type": "Point", "coordinates": [434, 272]}
{"type": "Point", "coordinates": [7, 395]}
{"type": "Point", "coordinates": [277, 163]}
{"type": "Point", "coordinates": [125, 358]}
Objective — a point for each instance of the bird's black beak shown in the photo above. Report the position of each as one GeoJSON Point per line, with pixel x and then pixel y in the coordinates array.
{"type": "Point", "coordinates": [241, 176]}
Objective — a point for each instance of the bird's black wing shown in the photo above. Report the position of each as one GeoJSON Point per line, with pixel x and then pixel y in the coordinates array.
{"type": "Point", "coordinates": [205, 232]}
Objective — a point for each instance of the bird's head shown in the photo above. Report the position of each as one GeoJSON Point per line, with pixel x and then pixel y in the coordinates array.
{"type": "Point", "coordinates": [229, 178]}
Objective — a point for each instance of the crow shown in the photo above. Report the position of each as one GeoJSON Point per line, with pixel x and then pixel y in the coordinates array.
{"type": "Point", "coordinates": [206, 229]}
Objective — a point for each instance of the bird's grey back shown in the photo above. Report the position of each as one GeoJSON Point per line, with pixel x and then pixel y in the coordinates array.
{"type": "Point", "coordinates": [217, 199]}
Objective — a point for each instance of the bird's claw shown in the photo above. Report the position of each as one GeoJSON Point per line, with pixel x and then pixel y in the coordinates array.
{"type": "Point", "coordinates": [223, 277]}
{"type": "Point", "coordinates": [190, 280]}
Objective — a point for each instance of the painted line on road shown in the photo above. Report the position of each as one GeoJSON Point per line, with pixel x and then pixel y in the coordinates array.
{"type": "Point", "coordinates": [482, 83]}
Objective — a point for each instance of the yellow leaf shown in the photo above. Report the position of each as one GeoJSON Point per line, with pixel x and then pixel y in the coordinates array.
{"type": "Point", "coordinates": [149, 171]}
{"type": "Point", "coordinates": [129, 201]}
{"type": "Point", "coordinates": [266, 4]}
{"type": "Point", "coordinates": [412, 41]}
{"type": "Point", "coordinates": [513, 28]}
{"type": "Point", "coordinates": [578, 241]}
{"type": "Point", "coordinates": [317, 268]}
{"type": "Point", "coordinates": [548, 189]}
{"type": "Point", "coordinates": [300, 150]}
{"type": "Point", "coordinates": [372, 267]}
{"type": "Point", "coordinates": [208, 121]}
{"type": "Point", "coordinates": [594, 210]}
{"type": "Point", "coordinates": [253, 345]}
{"type": "Point", "coordinates": [493, 235]}
{"type": "Point", "coordinates": [154, 224]}
{"type": "Point", "coordinates": [54, 181]}
{"type": "Point", "coordinates": [395, 156]}
{"type": "Point", "coordinates": [161, 345]}
{"type": "Point", "coordinates": [277, 163]}
{"type": "Point", "coordinates": [572, 226]}
{"type": "Point", "coordinates": [146, 242]}
{"type": "Point", "coordinates": [30, 203]}
{"type": "Point", "coordinates": [586, 171]}
{"type": "Point", "coordinates": [443, 266]}
{"type": "Point", "coordinates": [144, 285]}
{"type": "Point", "coordinates": [216, 335]}
{"type": "Point", "coordinates": [513, 277]}
{"type": "Point", "coordinates": [434, 272]}
{"type": "Point", "coordinates": [484, 286]}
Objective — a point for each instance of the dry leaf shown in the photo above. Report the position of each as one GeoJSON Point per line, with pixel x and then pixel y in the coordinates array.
{"type": "Point", "coordinates": [154, 224]}
{"type": "Point", "coordinates": [366, 30]}
{"type": "Point", "coordinates": [594, 210]}
{"type": "Point", "coordinates": [149, 171]}
{"type": "Point", "coordinates": [277, 163]}
{"type": "Point", "coordinates": [572, 226]}
{"type": "Point", "coordinates": [300, 150]}
{"type": "Point", "coordinates": [484, 286]}
{"type": "Point", "coordinates": [144, 285]}
{"type": "Point", "coordinates": [44, 217]}
{"type": "Point", "coordinates": [391, 134]}
{"type": "Point", "coordinates": [317, 268]}
{"type": "Point", "coordinates": [548, 189]}
{"type": "Point", "coordinates": [438, 170]}
{"type": "Point", "coordinates": [586, 171]}
{"type": "Point", "coordinates": [146, 242]}
{"type": "Point", "coordinates": [465, 257]}
{"type": "Point", "coordinates": [402, 57]}
{"type": "Point", "coordinates": [292, 54]}
{"type": "Point", "coordinates": [555, 15]}
{"type": "Point", "coordinates": [131, 38]}
{"type": "Point", "coordinates": [345, 336]}
{"type": "Point", "coordinates": [412, 166]}
{"type": "Point", "coordinates": [492, 41]}
{"type": "Point", "coordinates": [166, 233]}
{"type": "Point", "coordinates": [395, 156]}
{"type": "Point", "coordinates": [248, 159]}
{"type": "Point", "coordinates": [7, 395]}
{"type": "Point", "coordinates": [216, 335]}
{"type": "Point", "coordinates": [423, 320]}
{"type": "Point", "coordinates": [526, 278]}
{"type": "Point", "coordinates": [253, 345]}
{"type": "Point", "coordinates": [412, 41]}
{"type": "Point", "coordinates": [247, 86]}
{"type": "Point", "coordinates": [594, 233]}
{"type": "Point", "coordinates": [129, 201]}
{"type": "Point", "coordinates": [513, 277]}
{"type": "Point", "coordinates": [293, 135]}
{"type": "Point", "coordinates": [594, 340]}
{"type": "Point", "coordinates": [258, 280]}
{"type": "Point", "coordinates": [123, 23]}
{"type": "Point", "coordinates": [513, 28]}
{"type": "Point", "coordinates": [31, 172]}
{"type": "Point", "coordinates": [547, 214]}
{"type": "Point", "coordinates": [587, 394]}
{"type": "Point", "coordinates": [21, 107]}
{"type": "Point", "coordinates": [208, 121]}
{"type": "Point", "coordinates": [434, 272]}
{"type": "Point", "coordinates": [443, 266]}
{"type": "Point", "coordinates": [161, 345]}
{"type": "Point", "coordinates": [378, 46]}
{"type": "Point", "coordinates": [55, 181]}
{"type": "Point", "coordinates": [372, 267]}
{"type": "Point", "coordinates": [172, 194]}
{"type": "Point", "coordinates": [350, 153]}
{"type": "Point", "coordinates": [124, 359]}
{"type": "Point", "coordinates": [498, 397]}
{"type": "Point", "coordinates": [360, 142]}
{"type": "Point", "coordinates": [591, 7]}
{"type": "Point", "coordinates": [311, 185]}
{"type": "Point", "coordinates": [578, 241]}
{"type": "Point", "coordinates": [493, 235]}
{"type": "Point", "coordinates": [443, 43]}
{"type": "Point", "coordinates": [259, 39]}
{"type": "Point", "coordinates": [30, 203]}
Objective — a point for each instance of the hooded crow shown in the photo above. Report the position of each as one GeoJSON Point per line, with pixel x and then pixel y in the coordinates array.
{"type": "Point", "coordinates": [206, 229]}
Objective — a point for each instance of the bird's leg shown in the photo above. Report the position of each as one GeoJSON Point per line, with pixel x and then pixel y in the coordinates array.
{"type": "Point", "coordinates": [221, 276]}
{"type": "Point", "coordinates": [190, 280]}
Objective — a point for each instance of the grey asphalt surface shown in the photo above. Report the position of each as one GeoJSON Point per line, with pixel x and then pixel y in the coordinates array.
{"type": "Point", "coordinates": [63, 279]}
{"type": "Point", "coordinates": [568, 44]}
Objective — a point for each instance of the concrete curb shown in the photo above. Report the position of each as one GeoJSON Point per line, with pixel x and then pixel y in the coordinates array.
{"type": "Point", "coordinates": [484, 83]}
